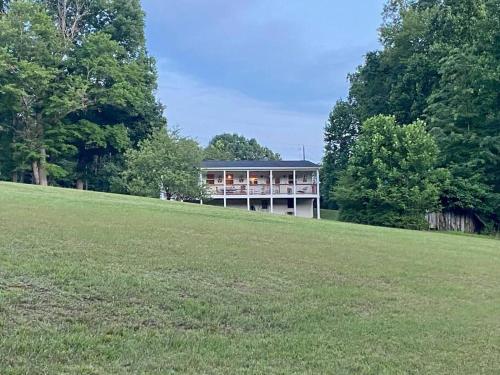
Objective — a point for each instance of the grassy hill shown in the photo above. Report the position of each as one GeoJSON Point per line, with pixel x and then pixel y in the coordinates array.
{"type": "Point", "coordinates": [99, 284]}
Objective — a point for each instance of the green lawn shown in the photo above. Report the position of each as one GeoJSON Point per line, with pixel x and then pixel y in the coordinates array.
{"type": "Point", "coordinates": [106, 284]}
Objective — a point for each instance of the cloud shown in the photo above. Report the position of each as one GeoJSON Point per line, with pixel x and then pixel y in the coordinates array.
{"type": "Point", "coordinates": [202, 111]}
{"type": "Point", "coordinates": [286, 52]}
{"type": "Point", "coordinates": [266, 69]}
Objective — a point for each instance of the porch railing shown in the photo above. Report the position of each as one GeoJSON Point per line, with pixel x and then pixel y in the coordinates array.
{"type": "Point", "coordinates": [262, 189]}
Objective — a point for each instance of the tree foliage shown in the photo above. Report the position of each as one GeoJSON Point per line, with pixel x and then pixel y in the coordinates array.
{"type": "Point", "coordinates": [390, 178]}
{"type": "Point", "coordinates": [167, 162]}
{"type": "Point", "coordinates": [341, 131]}
{"type": "Point", "coordinates": [236, 147]}
{"type": "Point", "coordinates": [77, 89]}
{"type": "Point", "coordinates": [440, 63]}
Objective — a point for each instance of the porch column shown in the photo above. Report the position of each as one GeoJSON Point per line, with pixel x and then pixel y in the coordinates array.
{"type": "Point", "coordinates": [225, 199]}
{"type": "Point", "coordinates": [294, 193]}
{"type": "Point", "coordinates": [201, 184]}
{"type": "Point", "coordinates": [271, 187]}
{"type": "Point", "coordinates": [248, 190]}
{"type": "Point", "coordinates": [318, 195]}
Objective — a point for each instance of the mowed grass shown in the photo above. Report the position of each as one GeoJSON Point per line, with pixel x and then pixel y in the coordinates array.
{"type": "Point", "coordinates": [96, 283]}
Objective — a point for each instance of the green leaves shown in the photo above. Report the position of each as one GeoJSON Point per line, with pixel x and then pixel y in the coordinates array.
{"type": "Point", "coordinates": [236, 147]}
{"type": "Point", "coordinates": [76, 82]}
{"type": "Point", "coordinates": [165, 161]}
{"type": "Point", "coordinates": [440, 63]}
{"type": "Point", "coordinates": [341, 131]}
{"type": "Point", "coordinates": [390, 178]}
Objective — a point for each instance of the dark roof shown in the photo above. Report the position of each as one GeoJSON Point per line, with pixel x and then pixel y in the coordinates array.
{"type": "Point", "coordinates": [217, 164]}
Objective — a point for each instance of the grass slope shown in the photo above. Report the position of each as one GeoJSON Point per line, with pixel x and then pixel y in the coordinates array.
{"type": "Point", "coordinates": [101, 284]}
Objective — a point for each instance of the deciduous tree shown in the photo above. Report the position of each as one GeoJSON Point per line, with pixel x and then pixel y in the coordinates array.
{"type": "Point", "coordinates": [236, 147]}
{"type": "Point", "coordinates": [341, 131]}
{"type": "Point", "coordinates": [167, 162]}
{"type": "Point", "coordinates": [391, 178]}
{"type": "Point", "coordinates": [440, 63]}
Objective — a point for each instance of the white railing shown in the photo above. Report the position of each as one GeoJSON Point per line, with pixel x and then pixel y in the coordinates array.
{"type": "Point", "coordinates": [262, 189]}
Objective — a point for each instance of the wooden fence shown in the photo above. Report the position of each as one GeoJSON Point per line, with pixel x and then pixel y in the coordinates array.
{"type": "Point", "coordinates": [453, 221]}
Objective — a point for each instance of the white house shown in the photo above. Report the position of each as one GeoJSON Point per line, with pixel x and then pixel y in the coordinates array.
{"type": "Point", "coordinates": [279, 187]}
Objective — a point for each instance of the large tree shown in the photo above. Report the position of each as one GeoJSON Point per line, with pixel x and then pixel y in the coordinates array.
{"type": "Point", "coordinates": [165, 162]}
{"type": "Point", "coordinates": [36, 92]}
{"type": "Point", "coordinates": [391, 178]}
{"type": "Point", "coordinates": [237, 147]}
{"type": "Point", "coordinates": [341, 131]}
{"type": "Point", "coordinates": [94, 91]}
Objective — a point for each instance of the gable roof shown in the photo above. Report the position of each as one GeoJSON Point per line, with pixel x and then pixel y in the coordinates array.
{"type": "Point", "coordinates": [258, 164]}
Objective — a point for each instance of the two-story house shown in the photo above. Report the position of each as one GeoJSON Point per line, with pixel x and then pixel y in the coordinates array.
{"type": "Point", "coordinates": [279, 187]}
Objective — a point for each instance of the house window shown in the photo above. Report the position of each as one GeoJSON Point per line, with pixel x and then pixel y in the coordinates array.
{"type": "Point", "coordinates": [210, 179]}
{"type": "Point", "coordinates": [290, 202]}
{"type": "Point", "coordinates": [229, 179]}
{"type": "Point", "coordinates": [219, 179]}
{"type": "Point", "coordinates": [304, 178]}
{"type": "Point", "coordinates": [264, 204]}
{"type": "Point", "coordinates": [254, 180]}
{"type": "Point", "coordinates": [241, 179]}
{"type": "Point", "coordinates": [290, 179]}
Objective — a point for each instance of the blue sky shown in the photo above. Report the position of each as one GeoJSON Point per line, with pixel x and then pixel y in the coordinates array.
{"type": "Point", "coordinates": [269, 69]}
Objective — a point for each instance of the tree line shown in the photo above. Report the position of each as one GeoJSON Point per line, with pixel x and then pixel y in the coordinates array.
{"type": "Point", "coordinates": [77, 90]}
{"type": "Point", "coordinates": [418, 132]}
{"type": "Point", "coordinates": [420, 128]}
{"type": "Point", "coordinates": [77, 100]}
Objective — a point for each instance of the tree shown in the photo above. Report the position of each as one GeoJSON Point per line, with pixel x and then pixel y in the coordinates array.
{"type": "Point", "coordinates": [77, 89]}
{"type": "Point", "coordinates": [463, 115]}
{"type": "Point", "coordinates": [391, 179]}
{"type": "Point", "coordinates": [167, 162]}
{"type": "Point", "coordinates": [109, 53]}
{"type": "Point", "coordinates": [36, 94]}
{"type": "Point", "coordinates": [439, 63]}
{"type": "Point", "coordinates": [236, 147]}
{"type": "Point", "coordinates": [120, 109]}
{"type": "Point", "coordinates": [341, 131]}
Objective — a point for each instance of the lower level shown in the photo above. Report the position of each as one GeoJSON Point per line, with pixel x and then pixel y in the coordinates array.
{"type": "Point", "coordinates": [302, 207]}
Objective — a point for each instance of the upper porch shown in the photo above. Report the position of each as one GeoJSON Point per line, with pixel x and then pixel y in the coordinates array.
{"type": "Point", "coordinates": [239, 179]}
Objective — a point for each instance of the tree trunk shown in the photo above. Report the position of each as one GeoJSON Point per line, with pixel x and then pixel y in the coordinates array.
{"type": "Point", "coordinates": [42, 168]}
{"type": "Point", "coordinates": [15, 177]}
{"type": "Point", "coordinates": [36, 174]}
{"type": "Point", "coordinates": [39, 169]}
{"type": "Point", "coordinates": [79, 184]}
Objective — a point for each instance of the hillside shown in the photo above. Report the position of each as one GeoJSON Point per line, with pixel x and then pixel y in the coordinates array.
{"type": "Point", "coordinates": [97, 284]}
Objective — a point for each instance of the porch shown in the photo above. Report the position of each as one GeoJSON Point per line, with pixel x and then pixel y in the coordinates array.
{"type": "Point", "coordinates": [260, 183]}
{"type": "Point", "coordinates": [275, 186]}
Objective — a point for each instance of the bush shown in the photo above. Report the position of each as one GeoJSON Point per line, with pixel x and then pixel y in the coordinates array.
{"type": "Point", "coordinates": [391, 179]}
{"type": "Point", "coordinates": [165, 162]}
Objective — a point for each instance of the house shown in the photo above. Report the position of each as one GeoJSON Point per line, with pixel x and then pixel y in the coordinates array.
{"type": "Point", "coordinates": [274, 186]}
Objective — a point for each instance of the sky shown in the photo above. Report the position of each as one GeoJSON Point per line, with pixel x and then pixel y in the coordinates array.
{"type": "Point", "coordinates": [266, 69]}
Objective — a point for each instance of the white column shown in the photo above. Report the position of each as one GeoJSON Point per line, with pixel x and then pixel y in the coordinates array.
{"type": "Point", "coordinates": [294, 194]}
{"type": "Point", "coordinates": [225, 199]}
{"type": "Point", "coordinates": [318, 199]}
{"type": "Point", "coordinates": [248, 190]}
{"type": "Point", "coordinates": [201, 184]}
{"type": "Point", "coordinates": [271, 187]}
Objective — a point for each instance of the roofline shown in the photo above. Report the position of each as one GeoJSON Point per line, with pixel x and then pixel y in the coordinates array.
{"type": "Point", "coordinates": [228, 168]}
